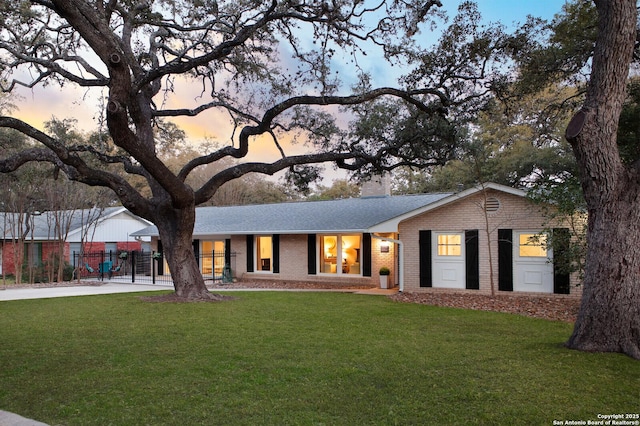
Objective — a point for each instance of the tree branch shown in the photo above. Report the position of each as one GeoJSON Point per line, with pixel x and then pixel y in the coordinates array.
{"type": "Point", "coordinates": [71, 164]}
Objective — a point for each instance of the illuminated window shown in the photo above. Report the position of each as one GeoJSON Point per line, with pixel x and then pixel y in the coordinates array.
{"type": "Point", "coordinates": [449, 245]}
{"type": "Point", "coordinates": [212, 257]}
{"type": "Point", "coordinates": [340, 254]}
{"type": "Point", "coordinates": [264, 249]}
{"type": "Point", "coordinates": [533, 245]}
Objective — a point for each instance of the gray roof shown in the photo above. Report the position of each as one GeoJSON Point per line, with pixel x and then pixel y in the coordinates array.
{"type": "Point", "coordinates": [43, 222]}
{"type": "Point", "coordinates": [346, 215]}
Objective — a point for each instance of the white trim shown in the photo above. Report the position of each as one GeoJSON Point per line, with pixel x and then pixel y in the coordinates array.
{"type": "Point", "coordinates": [102, 219]}
{"type": "Point", "coordinates": [448, 270]}
{"type": "Point", "coordinates": [257, 259]}
{"type": "Point", "coordinates": [339, 259]}
{"type": "Point", "coordinates": [290, 232]}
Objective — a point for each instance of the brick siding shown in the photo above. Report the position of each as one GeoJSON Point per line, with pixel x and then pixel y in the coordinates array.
{"type": "Point", "coordinates": [514, 213]}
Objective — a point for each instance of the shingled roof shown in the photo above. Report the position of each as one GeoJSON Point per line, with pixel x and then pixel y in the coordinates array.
{"type": "Point", "coordinates": [340, 216]}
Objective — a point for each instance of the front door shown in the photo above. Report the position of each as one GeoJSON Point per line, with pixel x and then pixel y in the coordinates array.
{"type": "Point", "coordinates": [533, 269]}
{"type": "Point", "coordinates": [448, 260]}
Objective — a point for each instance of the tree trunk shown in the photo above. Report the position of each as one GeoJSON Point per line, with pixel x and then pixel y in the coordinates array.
{"type": "Point", "coordinates": [609, 317]}
{"type": "Point", "coordinates": [175, 227]}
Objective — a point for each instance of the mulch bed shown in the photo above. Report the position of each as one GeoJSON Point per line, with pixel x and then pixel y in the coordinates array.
{"type": "Point", "coordinates": [551, 308]}
{"type": "Point", "coordinates": [289, 285]}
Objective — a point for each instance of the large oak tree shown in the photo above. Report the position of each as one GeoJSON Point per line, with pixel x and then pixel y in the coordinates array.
{"type": "Point", "coordinates": [609, 318]}
{"type": "Point", "coordinates": [271, 67]}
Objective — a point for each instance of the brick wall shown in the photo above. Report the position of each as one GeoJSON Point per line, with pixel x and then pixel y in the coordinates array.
{"type": "Point", "coordinates": [94, 247]}
{"type": "Point", "coordinates": [129, 246]}
{"type": "Point", "coordinates": [8, 259]}
{"type": "Point", "coordinates": [514, 213]}
{"type": "Point", "coordinates": [49, 250]}
{"type": "Point", "coordinates": [294, 264]}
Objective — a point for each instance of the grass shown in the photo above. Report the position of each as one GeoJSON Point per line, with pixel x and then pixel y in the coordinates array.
{"type": "Point", "coordinates": [299, 359]}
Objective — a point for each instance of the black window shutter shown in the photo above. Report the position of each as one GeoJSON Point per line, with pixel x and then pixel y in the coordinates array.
{"type": "Point", "coordinates": [276, 253]}
{"type": "Point", "coordinates": [561, 279]}
{"type": "Point", "coordinates": [311, 254]}
{"type": "Point", "coordinates": [160, 261]}
{"type": "Point", "coordinates": [471, 260]}
{"type": "Point", "coordinates": [426, 271]}
{"type": "Point", "coordinates": [227, 252]}
{"type": "Point", "coordinates": [505, 259]}
{"type": "Point", "coordinates": [249, 253]}
{"type": "Point", "coordinates": [366, 255]}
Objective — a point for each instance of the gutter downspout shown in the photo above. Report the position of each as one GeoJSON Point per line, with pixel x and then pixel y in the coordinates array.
{"type": "Point", "coordinates": [400, 258]}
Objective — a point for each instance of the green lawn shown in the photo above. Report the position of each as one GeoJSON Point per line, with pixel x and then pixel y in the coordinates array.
{"type": "Point", "coordinates": [297, 358]}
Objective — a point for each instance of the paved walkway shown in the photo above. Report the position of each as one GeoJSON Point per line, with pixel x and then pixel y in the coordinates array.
{"type": "Point", "coordinates": [77, 290]}
{"type": "Point", "coordinates": [10, 419]}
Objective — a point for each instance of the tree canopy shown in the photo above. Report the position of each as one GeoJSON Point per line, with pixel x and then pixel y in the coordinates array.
{"type": "Point", "coordinates": [274, 69]}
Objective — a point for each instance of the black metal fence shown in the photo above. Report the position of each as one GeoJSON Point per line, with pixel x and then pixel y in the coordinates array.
{"type": "Point", "coordinates": [144, 266]}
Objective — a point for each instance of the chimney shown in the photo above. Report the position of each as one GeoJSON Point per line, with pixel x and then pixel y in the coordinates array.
{"type": "Point", "coordinates": [377, 186]}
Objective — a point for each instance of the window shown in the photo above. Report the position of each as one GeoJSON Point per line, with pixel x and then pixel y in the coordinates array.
{"type": "Point", "coordinates": [340, 254]}
{"type": "Point", "coordinates": [533, 245]}
{"type": "Point", "coordinates": [264, 249]}
{"type": "Point", "coordinates": [449, 245]}
{"type": "Point", "coordinates": [212, 257]}
{"type": "Point", "coordinates": [34, 254]}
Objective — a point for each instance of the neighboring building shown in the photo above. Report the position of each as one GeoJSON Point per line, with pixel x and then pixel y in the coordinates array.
{"type": "Point", "coordinates": [104, 230]}
{"type": "Point", "coordinates": [431, 242]}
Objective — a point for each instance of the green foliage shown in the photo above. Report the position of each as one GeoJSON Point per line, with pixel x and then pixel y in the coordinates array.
{"type": "Point", "coordinates": [389, 129]}
{"type": "Point", "coordinates": [297, 358]}
{"type": "Point", "coordinates": [556, 55]}
{"type": "Point", "coordinates": [506, 146]}
{"type": "Point", "coordinates": [46, 271]}
{"type": "Point", "coordinates": [301, 177]}
{"type": "Point", "coordinates": [340, 188]}
{"type": "Point", "coordinates": [385, 271]}
{"type": "Point", "coordinates": [547, 53]}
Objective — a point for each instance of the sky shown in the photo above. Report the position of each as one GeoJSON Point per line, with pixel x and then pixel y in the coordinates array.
{"type": "Point", "coordinates": [39, 105]}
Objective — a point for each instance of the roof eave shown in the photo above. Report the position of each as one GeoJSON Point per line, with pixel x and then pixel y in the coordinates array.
{"type": "Point", "coordinates": [283, 232]}
{"type": "Point", "coordinates": [393, 224]}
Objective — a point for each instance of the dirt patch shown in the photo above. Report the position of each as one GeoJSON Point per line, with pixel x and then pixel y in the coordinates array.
{"type": "Point", "coordinates": [173, 298]}
{"type": "Point", "coordinates": [551, 308]}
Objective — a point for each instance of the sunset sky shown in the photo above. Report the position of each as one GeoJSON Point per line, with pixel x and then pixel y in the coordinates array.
{"type": "Point", "coordinates": [40, 104]}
